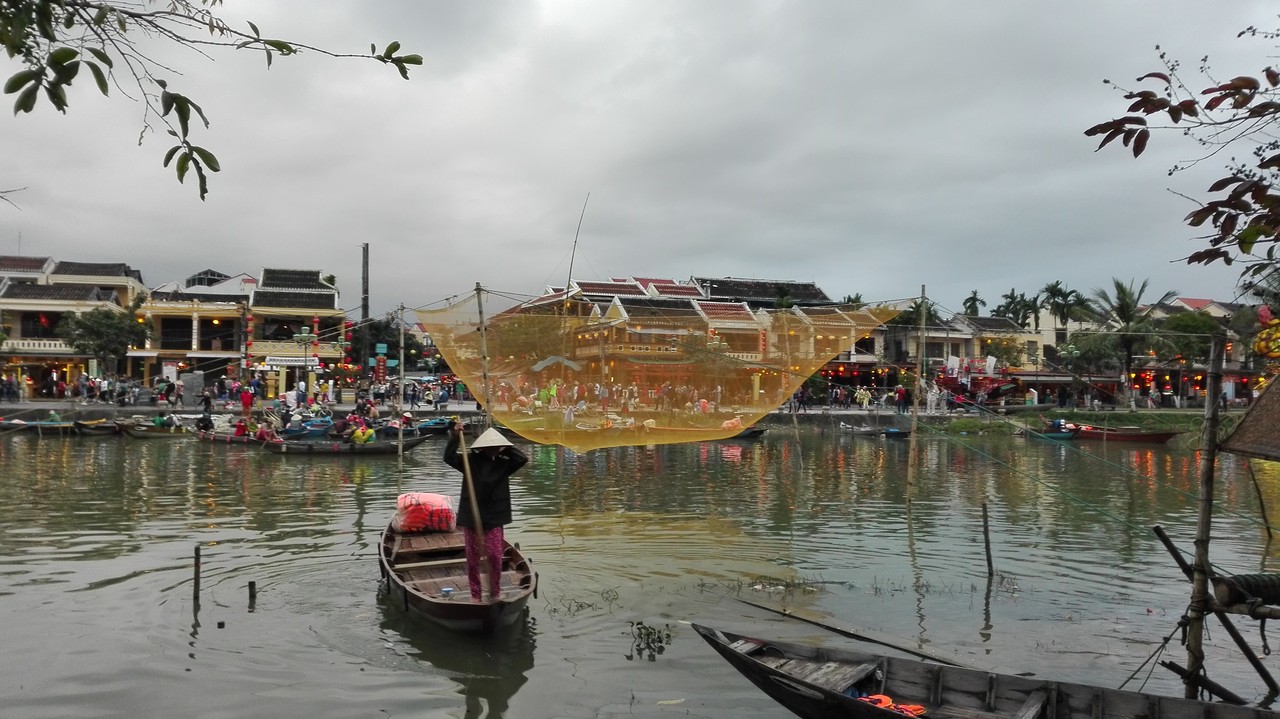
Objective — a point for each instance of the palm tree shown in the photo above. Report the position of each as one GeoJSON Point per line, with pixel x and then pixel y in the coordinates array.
{"type": "Point", "coordinates": [1063, 304]}
{"type": "Point", "coordinates": [855, 300]}
{"type": "Point", "coordinates": [972, 303]}
{"type": "Point", "coordinates": [1128, 319]}
{"type": "Point", "coordinates": [1019, 308]}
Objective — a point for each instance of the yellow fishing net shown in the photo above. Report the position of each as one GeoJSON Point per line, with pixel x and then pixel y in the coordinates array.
{"type": "Point", "coordinates": [634, 371]}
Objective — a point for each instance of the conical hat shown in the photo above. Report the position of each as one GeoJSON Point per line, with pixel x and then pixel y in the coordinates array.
{"type": "Point", "coordinates": [491, 438]}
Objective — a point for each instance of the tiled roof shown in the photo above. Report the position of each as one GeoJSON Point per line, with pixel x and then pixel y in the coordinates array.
{"type": "Point", "coordinates": [676, 290]}
{"type": "Point", "coordinates": [609, 288]}
{"type": "Point", "coordinates": [656, 307]}
{"type": "Point", "coordinates": [991, 324]}
{"type": "Point", "coordinates": [1195, 303]}
{"type": "Point", "coordinates": [180, 296]}
{"type": "Point", "coordinates": [277, 279]}
{"type": "Point", "coordinates": [645, 282]}
{"type": "Point", "coordinates": [752, 290]}
{"type": "Point", "coordinates": [735, 311]}
{"type": "Point", "coordinates": [304, 300]}
{"type": "Point", "coordinates": [57, 292]}
{"type": "Point", "coordinates": [18, 263]}
{"type": "Point", "coordinates": [96, 269]}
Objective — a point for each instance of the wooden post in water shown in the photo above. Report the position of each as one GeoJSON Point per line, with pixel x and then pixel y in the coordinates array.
{"type": "Point", "coordinates": [986, 540]}
{"type": "Point", "coordinates": [253, 594]}
{"type": "Point", "coordinates": [195, 585]}
{"type": "Point", "coordinates": [915, 400]}
{"type": "Point", "coordinates": [1204, 523]}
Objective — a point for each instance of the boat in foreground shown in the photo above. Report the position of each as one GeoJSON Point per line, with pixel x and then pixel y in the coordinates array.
{"type": "Point", "coordinates": [426, 573]}
{"type": "Point", "coordinates": [820, 683]}
{"type": "Point", "coordinates": [342, 446]}
{"type": "Point", "coordinates": [1061, 435]}
{"type": "Point", "coordinates": [1110, 434]}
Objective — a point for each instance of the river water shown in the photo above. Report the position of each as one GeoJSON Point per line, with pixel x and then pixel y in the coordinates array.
{"type": "Point", "coordinates": [97, 537]}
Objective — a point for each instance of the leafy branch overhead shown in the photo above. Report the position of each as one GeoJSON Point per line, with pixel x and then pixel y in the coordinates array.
{"type": "Point", "coordinates": [55, 39]}
{"type": "Point", "coordinates": [1243, 220]}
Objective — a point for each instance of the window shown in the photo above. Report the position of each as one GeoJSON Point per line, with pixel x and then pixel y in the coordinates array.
{"type": "Point", "coordinates": [40, 325]}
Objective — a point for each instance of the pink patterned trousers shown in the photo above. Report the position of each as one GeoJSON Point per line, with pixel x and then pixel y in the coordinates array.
{"type": "Point", "coordinates": [494, 545]}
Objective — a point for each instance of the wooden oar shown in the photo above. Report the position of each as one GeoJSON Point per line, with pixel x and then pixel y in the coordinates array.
{"type": "Point", "coordinates": [854, 635]}
{"type": "Point", "coordinates": [476, 524]}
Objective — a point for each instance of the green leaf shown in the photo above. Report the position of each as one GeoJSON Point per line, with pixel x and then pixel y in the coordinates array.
{"type": "Point", "coordinates": [184, 161]}
{"type": "Point", "coordinates": [183, 111]}
{"type": "Point", "coordinates": [280, 46]}
{"type": "Point", "coordinates": [373, 49]}
{"type": "Point", "coordinates": [58, 97]}
{"type": "Point", "coordinates": [204, 182]}
{"type": "Point", "coordinates": [166, 102]}
{"type": "Point", "coordinates": [255, 30]}
{"type": "Point", "coordinates": [98, 76]}
{"type": "Point", "coordinates": [69, 21]}
{"type": "Point", "coordinates": [410, 59]}
{"type": "Point", "coordinates": [26, 101]}
{"type": "Point", "coordinates": [168, 156]}
{"type": "Point", "coordinates": [268, 58]}
{"type": "Point", "coordinates": [162, 84]}
{"type": "Point", "coordinates": [121, 22]}
{"type": "Point", "coordinates": [100, 16]}
{"type": "Point", "coordinates": [404, 71]}
{"type": "Point", "coordinates": [391, 49]}
{"type": "Point", "coordinates": [103, 57]}
{"type": "Point", "coordinates": [199, 112]}
{"type": "Point", "coordinates": [207, 158]}
{"type": "Point", "coordinates": [62, 56]}
{"type": "Point", "coordinates": [15, 83]}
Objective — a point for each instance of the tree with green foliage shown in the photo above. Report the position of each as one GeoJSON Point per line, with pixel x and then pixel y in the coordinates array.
{"type": "Point", "coordinates": [1188, 335]}
{"type": "Point", "coordinates": [105, 333]}
{"type": "Point", "coordinates": [1019, 308]}
{"type": "Point", "coordinates": [1243, 220]}
{"type": "Point", "coordinates": [972, 303]}
{"type": "Point", "coordinates": [55, 40]}
{"type": "Point", "coordinates": [1128, 320]}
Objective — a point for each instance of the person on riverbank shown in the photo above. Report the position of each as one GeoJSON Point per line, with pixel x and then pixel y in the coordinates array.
{"type": "Point", "coordinates": [491, 461]}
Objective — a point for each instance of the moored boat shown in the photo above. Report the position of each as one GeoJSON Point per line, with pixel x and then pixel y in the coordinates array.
{"type": "Point", "coordinates": [869, 431]}
{"type": "Point", "coordinates": [1111, 434]}
{"type": "Point", "coordinates": [226, 437]}
{"type": "Point", "coordinates": [96, 426]}
{"type": "Point", "coordinates": [821, 683]}
{"type": "Point", "coordinates": [151, 431]}
{"type": "Point", "coordinates": [426, 573]}
{"type": "Point", "coordinates": [341, 446]}
{"type": "Point", "coordinates": [1060, 435]}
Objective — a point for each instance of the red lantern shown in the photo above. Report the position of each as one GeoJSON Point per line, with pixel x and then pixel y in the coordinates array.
{"type": "Point", "coordinates": [249, 317]}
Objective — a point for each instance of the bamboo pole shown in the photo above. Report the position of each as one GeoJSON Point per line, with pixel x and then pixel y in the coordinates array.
{"type": "Point", "coordinates": [477, 525]}
{"type": "Point", "coordinates": [915, 400]}
{"type": "Point", "coordinates": [986, 540]}
{"type": "Point", "coordinates": [400, 393]}
{"type": "Point", "coordinates": [1204, 523]}
{"type": "Point", "coordinates": [484, 357]}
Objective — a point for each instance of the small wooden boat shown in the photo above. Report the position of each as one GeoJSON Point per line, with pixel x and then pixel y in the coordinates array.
{"type": "Point", "coordinates": [312, 428]}
{"type": "Point", "coordinates": [151, 431]}
{"type": "Point", "coordinates": [426, 573]}
{"type": "Point", "coordinates": [340, 446]}
{"type": "Point", "coordinates": [819, 683]}
{"type": "Point", "coordinates": [1112, 434]}
{"type": "Point", "coordinates": [41, 426]}
{"type": "Point", "coordinates": [869, 431]}
{"type": "Point", "coordinates": [226, 437]}
{"type": "Point", "coordinates": [1060, 435]}
{"type": "Point", "coordinates": [96, 427]}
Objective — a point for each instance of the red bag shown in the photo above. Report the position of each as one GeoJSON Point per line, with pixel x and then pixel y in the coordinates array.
{"type": "Point", "coordinates": [424, 512]}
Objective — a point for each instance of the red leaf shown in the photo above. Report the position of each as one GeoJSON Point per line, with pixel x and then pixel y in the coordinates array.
{"type": "Point", "coordinates": [1190, 108]}
{"type": "Point", "coordinates": [1213, 103]}
{"type": "Point", "coordinates": [1110, 136]}
{"type": "Point", "coordinates": [1273, 77]}
{"type": "Point", "coordinates": [1270, 163]}
{"type": "Point", "coordinates": [1156, 75]}
{"type": "Point", "coordinates": [1224, 183]}
{"type": "Point", "coordinates": [1175, 114]}
{"type": "Point", "coordinates": [1140, 142]}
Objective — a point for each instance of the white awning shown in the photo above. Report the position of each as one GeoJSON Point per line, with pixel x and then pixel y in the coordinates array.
{"type": "Point", "coordinates": [143, 353]}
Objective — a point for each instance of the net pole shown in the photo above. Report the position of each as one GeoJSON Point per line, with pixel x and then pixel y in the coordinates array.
{"type": "Point", "coordinates": [915, 399]}
{"type": "Point", "coordinates": [484, 354]}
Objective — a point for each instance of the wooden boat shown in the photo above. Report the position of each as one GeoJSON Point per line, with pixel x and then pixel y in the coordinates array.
{"type": "Point", "coordinates": [339, 446]}
{"type": "Point", "coordinates": [750, 433]}
{"type": "Point", "coordinates": [226, 437]}
{"type": "Point", "coordinates": [39, 426]}
{"type": "Point", "coordinates": [310, 429]}
{"type": "Point", "coordinates": [869, 431]}
{"type": "Point", "coordinates": [151, 431]}
{"type": "Point", "coordinates": [1060, 435]}
{"type": "Point", "coordinates": [819, 683]}
{"type": "Point", "coordinates": [96, 427]}
{"type": "Point", "coordinates": [1112, 434]}
{"type": "Point", "coordinates": [426, 573]}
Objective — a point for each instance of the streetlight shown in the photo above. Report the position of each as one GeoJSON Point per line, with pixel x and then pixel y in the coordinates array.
{"type": "Point", "coordinates": [1071, 354]}
{"type": "Point", "coordinates": [305, 338]}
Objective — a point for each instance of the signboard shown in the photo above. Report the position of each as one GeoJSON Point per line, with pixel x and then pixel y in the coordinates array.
{"type": "Point", "coordinates": [291, 361]}
{"type": "Point", "coordinates": [380, 348]}
{"type": "Point", "coordinates": [380, 370]}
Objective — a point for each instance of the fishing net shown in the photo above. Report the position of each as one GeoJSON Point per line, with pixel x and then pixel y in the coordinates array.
{"type": "Point", "coordinates": [637, 371]}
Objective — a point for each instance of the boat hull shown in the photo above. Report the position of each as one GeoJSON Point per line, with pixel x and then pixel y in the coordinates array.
{"type": "Point", "coordinates": [331, 446]}
{"type": "Point", "coordinates": [147, 431]}
{"type": "Point", "coordinates": [820, 683]}
{"type": "Point", "coordinates": [426, 575]}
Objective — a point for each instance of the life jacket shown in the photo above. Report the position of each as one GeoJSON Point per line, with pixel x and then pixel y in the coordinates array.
{"type": "Point", "coordinates": [884, 702]}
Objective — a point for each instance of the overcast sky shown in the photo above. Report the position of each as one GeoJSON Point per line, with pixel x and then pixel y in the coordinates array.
{"type": "Point", "coordinates": [870, 147]}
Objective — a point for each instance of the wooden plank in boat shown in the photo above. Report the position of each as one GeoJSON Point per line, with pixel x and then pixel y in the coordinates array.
{"type": "Point", "coordinates": [1034, 705]}
{"type": "Point", "coordinates": [430, 542]}
{"type": "Point", "coordinates": [433, 563]}
{"type": "Point", "coordinates": [836, 676]}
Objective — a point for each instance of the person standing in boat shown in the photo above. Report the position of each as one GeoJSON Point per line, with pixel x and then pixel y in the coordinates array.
{"type": "Point", "coordinates": [491, 461]}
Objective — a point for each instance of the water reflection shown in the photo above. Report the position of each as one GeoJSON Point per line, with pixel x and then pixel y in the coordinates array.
{"type": "Point", "coordinates": [488, 670]}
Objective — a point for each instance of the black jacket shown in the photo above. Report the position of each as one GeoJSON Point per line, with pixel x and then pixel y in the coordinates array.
{"type": "Point", "coordinates": [490, 476]}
